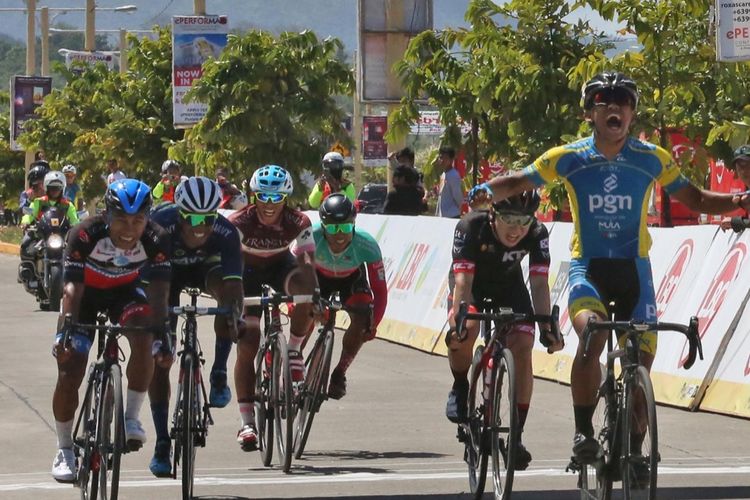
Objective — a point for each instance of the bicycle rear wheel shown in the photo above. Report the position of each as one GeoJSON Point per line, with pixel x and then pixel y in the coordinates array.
{"type": "Point", "coordinates": [189, 399]}
{"type": "Point", "coordinates": [504, 425]}
{"type": "Point", "coordinates": [313, 394]}
{"type": "Point", "coordinates": [595, 480]}
{"type": "Point", "coordinates": [84, 441]}
{"type": "Point", "coordinates": [110, 434]}
{"type": "Point", "coordinates": [476, 453]}
{"type": "Point", "coordinates": [640, 457]}
{"type": "Point", "coordinates": [264, 404]}
{"type": "Point", "coordinates": [284, 407]}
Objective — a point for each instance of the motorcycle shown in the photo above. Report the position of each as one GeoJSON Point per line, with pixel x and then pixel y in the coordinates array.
{"type": "Point", "coordinates": [43, 277]}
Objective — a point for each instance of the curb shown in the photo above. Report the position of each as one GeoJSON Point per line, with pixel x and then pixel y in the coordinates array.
{"type": "Point", "coordinates": [10, 248]}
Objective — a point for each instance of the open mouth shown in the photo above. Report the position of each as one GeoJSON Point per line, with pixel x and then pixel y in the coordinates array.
{"type": "Point", "coordinates": [614, 121]}
{"type": "Point", "coordinates": [199, 234]}
{"type": "Point", "coordinates": [126, 239]}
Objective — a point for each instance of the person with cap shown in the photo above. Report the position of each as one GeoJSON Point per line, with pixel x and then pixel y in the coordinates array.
{"type": "Point", "coordinates": [741, 167]}
{"type": "Point", "coordinates": [72, 188]}
{"type": "Point", "coordinates": [171, 175]}
{"type": "Point", "coordinates": [332, 181]}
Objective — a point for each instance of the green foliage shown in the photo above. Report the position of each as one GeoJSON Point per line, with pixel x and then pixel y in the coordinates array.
{"type": "Point", "coordinates": [11, 162]}
{"type": "Point", "coordinates": [270, 100]}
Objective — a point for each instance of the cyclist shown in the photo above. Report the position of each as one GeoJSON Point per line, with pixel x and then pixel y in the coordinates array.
{"type": "Point", "coordinates": [102, 261]}
{"type": "Point", "coordinates": [349, 261]}
{"type": "Point", "coordinates": [488, 248]}
{"type": "Point", "coordinates": [54, 182]}
{"type": "Point", "coordinates": [72, 188]}
{"type": "Point", "coordinates": [278, 248]}
{"type": "Point", "coordinates": [332, 180]}
{"type": "Point", "coordinates": [609, 177]}
{"type": "Point", "coordinates": [170, 177]}
{"type": "Point", "coordinates": [205, 255]}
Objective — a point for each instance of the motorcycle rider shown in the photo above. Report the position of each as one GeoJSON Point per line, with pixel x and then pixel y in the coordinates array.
{"type": "Point", "coordinates": [54, 183]}
{"type": "Point", "coordinates": [36, 184]}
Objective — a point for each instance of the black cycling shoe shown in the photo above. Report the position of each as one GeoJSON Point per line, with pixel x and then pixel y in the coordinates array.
{"type": "Point", "coordinates": [523, 457]}
{"type": "Point", "coordinates": [337, 386]}
{"type": "Point", "coordinates": [586, 449]}
{"type": "Point", "coordinates": [640, 469]}
{"type": "Point", "coordinates": [457, 406]}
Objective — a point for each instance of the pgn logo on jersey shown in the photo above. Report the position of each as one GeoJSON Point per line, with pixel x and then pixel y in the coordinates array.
{"type": "Point", "coordinates": [610, 203]}
{"type": "Point", "coordinates": [610, 183]}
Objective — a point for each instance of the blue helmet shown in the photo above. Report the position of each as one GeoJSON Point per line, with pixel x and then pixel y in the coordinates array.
{"type": "Point", "coordinates": [129, 196]}
{"type": "Point", "coordinates": [271, 179]}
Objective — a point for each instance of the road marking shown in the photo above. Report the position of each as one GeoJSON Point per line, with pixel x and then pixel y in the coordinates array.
{"type": "Point", "coordinates": [355, 477]}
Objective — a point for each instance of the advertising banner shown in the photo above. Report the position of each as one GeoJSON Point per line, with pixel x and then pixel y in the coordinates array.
{"type": "Point", "coordinates": [733, 30]}
{"type": "Point", "coordinates": [374, 147]}
{"type": "Point", "coordinates": [194, 40]}
{"type": "Point", "coordinates": [27, 94]}
{"type": "Point", "coordinates": [89, 58]}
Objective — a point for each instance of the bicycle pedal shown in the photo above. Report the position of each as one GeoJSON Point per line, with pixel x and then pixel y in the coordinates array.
{"type": "Point", "coordinates": [133, 445]}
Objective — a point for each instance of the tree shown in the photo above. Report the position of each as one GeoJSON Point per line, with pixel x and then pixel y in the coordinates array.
{"type": "Point", "coordinates": [509, 80]}
{"type": "Point", "coordinates": [11, 162]}
{"type": "Point", "coordinates": [270, 100]}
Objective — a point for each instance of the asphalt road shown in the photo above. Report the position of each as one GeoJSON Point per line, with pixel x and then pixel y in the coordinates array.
{"type": "Point", "coordinates": [387, 439]}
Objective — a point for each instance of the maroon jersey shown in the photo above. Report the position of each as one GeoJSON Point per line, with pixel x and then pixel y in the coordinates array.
{"type": "Point", "coordinates": [263, 245]}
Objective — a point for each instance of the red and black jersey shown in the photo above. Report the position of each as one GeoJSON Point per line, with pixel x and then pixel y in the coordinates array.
{"type": "Point", "coordinates": [477, 250]}
{"type": "Point", "coordinates": [91, 257]}
{"type": "Point", "coordinates": [264, 245]}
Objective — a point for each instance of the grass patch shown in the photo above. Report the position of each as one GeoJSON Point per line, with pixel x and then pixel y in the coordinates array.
{"type": "Point", "coordinates": [11, 234]}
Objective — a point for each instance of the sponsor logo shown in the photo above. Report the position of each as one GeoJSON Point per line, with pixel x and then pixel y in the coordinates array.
{"type": "Point", "coordinates": [610, 183]}
{"type": "Point", "coordinates": [513, 255]}
{"type": "Point", "coordinates": [610, 203]}
{"type": "Point", "coordinates": [609, 226]}
{"type": "Point", "coordinates": [544, 244]}
{"type": "Point", "coordinates": [672, 278]}
{"type": "Point", "coordinates": [405, 279]}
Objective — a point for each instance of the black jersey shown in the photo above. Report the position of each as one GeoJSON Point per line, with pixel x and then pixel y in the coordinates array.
{"type": "Point", "coordinates": [477, 250]}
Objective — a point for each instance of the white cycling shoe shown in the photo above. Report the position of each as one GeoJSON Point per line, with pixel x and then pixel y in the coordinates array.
{"type": "Point", "coordinates": [64, 466]}
{"type": "Point", "coordinates": [135, 436]}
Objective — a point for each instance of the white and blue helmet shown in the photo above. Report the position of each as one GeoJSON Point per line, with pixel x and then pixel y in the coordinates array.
{"type": "Point", "coordinates": [271, 179]}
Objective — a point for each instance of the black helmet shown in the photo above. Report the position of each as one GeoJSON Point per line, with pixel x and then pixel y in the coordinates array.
{"type": "Point", "coordinates": [337, 208]}
{"type": "Point", "coordinates": [608, 80]}
{"type": "Point", "coordinates": [525, 203]}
{"type": "Point", "coordinates": [37, 172]}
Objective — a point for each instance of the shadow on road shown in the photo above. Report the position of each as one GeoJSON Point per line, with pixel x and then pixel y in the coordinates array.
{"type": "Point", "coordinates": [705, 493]}
{"type": "Point", "coordinates": [369, 455]}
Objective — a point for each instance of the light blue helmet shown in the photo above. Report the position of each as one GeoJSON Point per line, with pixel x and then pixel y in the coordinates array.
{"type": "Point", "coordinates": [128, 196]}
{"type": "Point", "coordinates": [271, 179]}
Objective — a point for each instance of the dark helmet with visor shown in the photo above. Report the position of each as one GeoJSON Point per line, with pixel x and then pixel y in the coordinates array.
{"type": "Point", "coordinates": [337, 209]}
{"type": "Point", "coordinates": [609, 81]}
{"type": "Point", "coordinates": [525, 203]}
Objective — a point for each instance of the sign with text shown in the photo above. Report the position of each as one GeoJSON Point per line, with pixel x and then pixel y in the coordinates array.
{"type": "Point", "coordinates": [27, 94]}
{"type": "Point", "coordinates": [733, 30]}
{"type": "Point", "coordinates": [374, 147]}
{"type": "Point", "coordinates": [194, 40]}
{"type": "Point", "coordinates": [89, 58]}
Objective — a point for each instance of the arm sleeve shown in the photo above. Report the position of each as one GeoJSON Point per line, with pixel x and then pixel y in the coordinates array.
{"type": "Point", "coordinates": [544, 168]}
{"type": "Point", "coordinates": [158, 192]}
{"type": "Point", "coordinates": [72, 214]}
{"type": "Point", "coordinates": [350, 192]}
{"type": "Point", "coordinates": [78, 247]}
{"type": "Point", "coordinates": [464, 260]}
{"type": "Point", "coordinates": [304, 242]}
{"type": "Point", "coordinates": [379, 287]}
{"type": "Point", "coordinates": [231, 256]}
{"type": "Point", "coordinates": [670, 178]}
{"type": "Point", "coordinates": [539, 258]}
{"type": "Point", "coordinates": [30, 218]}
{"type": "Point", "coordinates": [316, 196]}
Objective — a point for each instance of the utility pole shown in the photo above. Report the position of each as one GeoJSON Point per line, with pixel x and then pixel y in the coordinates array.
{"type": "Point", "coordinates": [44, 26]}
{"type": "Point", "coordinates": [30, 67]}
{"type": "Point", "coordinates": [123, 51]}
{"type": "Point", "coordinates": [357, 127]}
{"type": "Point", "coordinates": [394, 51]}
{"type": "Point", "coordinates": [90, 36]}
{"type": "Point", "coordinates": [199, 7]}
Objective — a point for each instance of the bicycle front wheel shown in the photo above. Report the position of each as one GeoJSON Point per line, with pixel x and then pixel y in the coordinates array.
{"type": "Point", "coordinates": [640, 453]}
{"type": "Point", "coordinates": [84, 441]}
{"type": "Point", "coordinates": [504, 425]}
{"type": "Point", "coordinates": [595, 480]}
{"type": "Point", "coordinates": [110, 434]}
{"type": "Point", "coordinates": [474, 436]}
{"type": "Point", "coordinates": [264, 404]}
{"type": "Point", "coordinates": [313, 394]}
{"type": "Point", "coordinates": [189, 401]}
{"type": "Point", "coordinates": [283, 398]}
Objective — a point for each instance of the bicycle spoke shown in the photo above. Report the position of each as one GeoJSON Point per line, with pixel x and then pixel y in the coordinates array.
{"type": "Point", "coordinates": [264, 406]}
{"type": "Point", "coordinates": [475, 453]}
{"type": "Point", "coordinates": [640, 448]}
{"type": "Point", "coordinates": [504, 422]}
{"type": "Point", "coordinates": [319, 363]}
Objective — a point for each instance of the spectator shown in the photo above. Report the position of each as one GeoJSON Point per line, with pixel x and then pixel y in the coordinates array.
{"type": "Point", "coordinates": [231, 196]}
{"type": "Point", "coordinates": [72, 189]}
{"type": "Point", "coordinates": [171, 173]}
{"type": "Point", "coordinates": [332, 181]}
{"type": "Point", "coordinates": [39, 155]}
{"type": "Point", "coordinates": [451, 193]}
{"type": "Point", "coordinates": [115, 174]}
{"type": "Point", "coordinates": [406, 197]}
{"type": "Point", "coordinates": [405, 158]}
{"type": "Point", "coordinates": [741, 167]}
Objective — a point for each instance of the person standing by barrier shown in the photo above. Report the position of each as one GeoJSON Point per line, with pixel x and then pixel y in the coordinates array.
{"type": "Point", "coordinates": [451, 191]}
{"type": "Point", "coordinates": [609, 177]}
{"type": "Point", "coordinates": [741, 167]}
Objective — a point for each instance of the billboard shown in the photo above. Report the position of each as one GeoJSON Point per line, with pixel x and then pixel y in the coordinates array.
{"type": "Point", "coordinates": [374, 147]}
{"type": "Point", "coordinates": [194, 40]}
{"type": "Point", "coordinates": [27, 94]}
{"type": "Point", "coordinates": [89, 58]}
{"type": "Point", "coordinates": [732, 31]}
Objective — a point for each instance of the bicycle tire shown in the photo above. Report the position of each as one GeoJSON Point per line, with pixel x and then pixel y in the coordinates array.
{"type": "Point", "coordinates": [188, 415]}
{"type": "Point", "coordinates": [264, 406]}
{"type": "Point", "coordinates": [319, 364]}
{"type": "Point", "coordinates": [634, 487]}
{"type": "Point", "coordinates": [283, 397]}
{"type": "Point", "coordinates": [475, 454]}
{"type": "Point", "coordinates": [504, 425]}
{"type": "Point", "coordinates": [595, 480]}
{"type": "Point", "coordinates": [85, 443]}
{"type": "Point", "coordinates": [110, 433]}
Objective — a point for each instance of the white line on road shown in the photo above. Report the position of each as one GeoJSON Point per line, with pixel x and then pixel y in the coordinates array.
{"type": "Point", "coordinates": [352, 477]}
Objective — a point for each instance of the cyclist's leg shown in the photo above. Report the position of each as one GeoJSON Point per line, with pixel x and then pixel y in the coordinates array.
{"type": "Point", "coordinates": [295, 281]}
{"type": "Point", "coordinates": [585, 302]}
{"type": "Point", "coordinates": [460, 353]}
{"type": "Point", "coordinates": [244, 368]}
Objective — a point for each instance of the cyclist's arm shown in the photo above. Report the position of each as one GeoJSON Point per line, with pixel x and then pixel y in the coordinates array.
{"type": "Point", "coordinates": [303, 249]}
{"type": "Point", "coordinates": [379, 287]}
{"type": "Point", "coordinates": [463, 272]}
{"type": "Point", "coordinates": [71, 301]}
{"type": "Point", "coordinates": [157, 294]}
{"type": "Point", "coordinates": [540, 293]}
{"type": "Point", "coordinates": [231, 266]}
{"type": "Point", "coordinates": [702, 200]}
{"type": "Point", "coordinates": [505, 186]}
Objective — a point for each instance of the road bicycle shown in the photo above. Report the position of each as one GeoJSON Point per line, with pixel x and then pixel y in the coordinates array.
{"type": "Point", "coordinates": [491, 428]}
{"type": "Point", "coordinates": [625, 419]}
{"type": "Point", "coordinates": [99, 431]}
{"type": "Point", "coordinates": [313, 393]}
{"type": "Point", "coordinates": [274, 389]}
{"type": "Point", "coordinates": [191, 416]}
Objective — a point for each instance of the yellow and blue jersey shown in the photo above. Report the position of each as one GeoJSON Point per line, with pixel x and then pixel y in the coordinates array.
{"type": "Point", "coordinates": [608, 198]}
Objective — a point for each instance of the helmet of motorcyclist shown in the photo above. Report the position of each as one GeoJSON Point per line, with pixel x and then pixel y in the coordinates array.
{"type": "Point", "coordinates": [170, 164]}
{"type": "Point", "coordinates": [37, 173]}
{"type": "Point", "coordinates": [128, 196]}
{"type": "Point", "coordinates": [54, 180]}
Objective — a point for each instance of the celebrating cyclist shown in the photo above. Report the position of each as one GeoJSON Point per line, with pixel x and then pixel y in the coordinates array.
{"type": "Point", "coordinates": [488, 248]}
{"type": "Point", "coordinates": [609, 177]}
{"type": "Point", "coordinates": [349, 261]}
{"type": "Point", "coordinates": [278, 248]}
{"type": "Point", "coordinates": [205, 255]}
{"type": "Point", "coordinates": [102, 262]}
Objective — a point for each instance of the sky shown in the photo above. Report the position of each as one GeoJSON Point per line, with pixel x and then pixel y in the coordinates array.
{"type": "Point", "coordinates": [325, 17]}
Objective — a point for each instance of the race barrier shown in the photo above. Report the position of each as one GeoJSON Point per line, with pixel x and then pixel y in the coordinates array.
{"type": "Point", "coordinates": [697, 270]}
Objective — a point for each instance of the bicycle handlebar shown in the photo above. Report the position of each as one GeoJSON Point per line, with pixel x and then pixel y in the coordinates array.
{"type": "Point", "coordinates": [635, 327]}
{"type": "Point", "coordinates": [69, 325]}
{"type": "Point", "coordinates": [506, 316]}
{"type": "Point", "coordinates": [200, 310]}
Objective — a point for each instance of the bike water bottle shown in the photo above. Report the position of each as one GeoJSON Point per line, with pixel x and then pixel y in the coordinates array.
{"type": "Point", "coordinates": [486, 394]}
